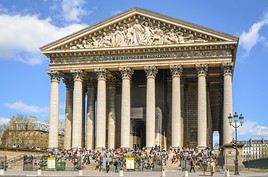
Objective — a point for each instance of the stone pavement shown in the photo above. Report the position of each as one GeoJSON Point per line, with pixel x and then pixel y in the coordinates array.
{"type": "Point", "coordinates": [127, 174]}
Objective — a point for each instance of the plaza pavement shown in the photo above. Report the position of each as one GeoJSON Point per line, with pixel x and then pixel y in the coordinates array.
{"type": "Point", "coordinates": [127, 174]}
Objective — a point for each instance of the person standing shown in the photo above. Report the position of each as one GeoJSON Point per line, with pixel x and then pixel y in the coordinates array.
{"type": "Point", "coordinates": [107, 166]}
{"type": "Point", "coordinates": [212, 167]}
{"type": "Point", "coordinates": [192, 164]}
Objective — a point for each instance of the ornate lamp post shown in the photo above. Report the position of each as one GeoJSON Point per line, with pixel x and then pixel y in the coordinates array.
{"type": "Point", "coordinates": [236, 121]}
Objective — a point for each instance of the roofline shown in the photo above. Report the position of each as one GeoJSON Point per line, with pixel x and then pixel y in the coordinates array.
{"type": "Point", "coordinates": [139, 10]}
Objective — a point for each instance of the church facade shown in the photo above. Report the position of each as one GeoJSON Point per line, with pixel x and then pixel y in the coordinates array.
{"type": "Point", "coordinates": [142, 79]}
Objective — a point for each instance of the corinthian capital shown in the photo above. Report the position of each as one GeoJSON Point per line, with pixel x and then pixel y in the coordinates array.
{"type": "Point", "coordinates": [150, 71]}
{"type": "Point", "coordinates": [78, 74]}
{"type": "Point", "coordinates": [126, 72]}
{"type": "Point", "coordinates": [54, 75]}
{"type": "Point", "coordinates": [201, 69]}
{"type": "Point", "coordinates": [176, 70]}
{"type": "Point", "coordinates": [101, 73]}
{"type": "Point", "coordinates": [227, 68]}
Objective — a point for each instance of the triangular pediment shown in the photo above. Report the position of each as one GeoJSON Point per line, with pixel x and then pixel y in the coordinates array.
{"type": "Point", "coordinates": [137, 27]}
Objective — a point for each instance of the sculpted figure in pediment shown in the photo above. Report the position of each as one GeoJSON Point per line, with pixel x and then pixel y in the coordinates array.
{"type": "Point", "coordinates": [106, 40]}
{"type": "Point", "coordinates": [138, 32]}
{"type": "Point", "coordinates": [129, 35]}
{"type": "Point", "coordinates": [119, 37]}
{"type": "Point", "coordinates": [157, 35]}
{"type": "Point", "coordinates": [148, 34]}
{"type": "Point", "coordinates": [170, 37]}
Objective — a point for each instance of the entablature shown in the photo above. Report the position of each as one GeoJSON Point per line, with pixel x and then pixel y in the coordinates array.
{"type": "Point", "coordinates": [160, 54]}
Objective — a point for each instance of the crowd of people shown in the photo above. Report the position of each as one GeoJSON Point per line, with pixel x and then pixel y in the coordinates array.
{"type": "Point", "coordinates": [106, 159]}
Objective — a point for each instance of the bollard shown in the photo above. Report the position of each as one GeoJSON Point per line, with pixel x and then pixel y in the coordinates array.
{"type": "Point", "coordinates": [1, 172]}
{"type": "Point", "coordinates": [121, 173]}
{"type": "Point", "coordinates": [39, 172]}
{"type": "Point", "coordinates": [80, 173]}
{"type": "Point", "coordinates": [163, 173]}
{"type": "Point", "coordinates": [227, 173]}
{"type": "Point", "coordinates": [185, 173]}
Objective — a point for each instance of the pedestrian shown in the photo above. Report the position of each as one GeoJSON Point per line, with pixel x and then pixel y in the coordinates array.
{"type": "Point", "coordinates": [192, 164]}
{"type": "Point", "coordinates": [115, 165]}
{"type": "Point", "coordinates": [212, 167]}
{"type": "Point", "coordinates": [204, 166]}
{"type": "Point", "coordinates": [107, 166]}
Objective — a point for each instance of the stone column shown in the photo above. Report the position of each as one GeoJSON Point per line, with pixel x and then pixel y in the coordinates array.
{"type": "Point", "coordinates": [68, 112]}
{"type": "Point", "coordinates": [111, 113]}
{"type": "Point", "coordinates": [83, 117]}
{"type": "Point", "coordinates": [202, 106]}
{"type": "Point", "coordinates": [77, 108]}
{"type": "Point", "coordinates": [101, 108]}
{"type": "Point", "coordinates": [182, 113]}
{"type": "Point", "coordinates": [227, 102]}
{"type": "Point", "coordinates": [90, 114]}
{"type": "Point", "coordinates": [151, 72]}
{"type": "Point", "coordinates": [54, 110]}
{"type": "Point", "coordinates": [125, 106]}
{"type": "Point", "coordinates": [176, 71]}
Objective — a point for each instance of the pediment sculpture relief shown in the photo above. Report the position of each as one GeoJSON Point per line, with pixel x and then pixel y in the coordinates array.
{"type": "Point", "coordinates": [137, 33]}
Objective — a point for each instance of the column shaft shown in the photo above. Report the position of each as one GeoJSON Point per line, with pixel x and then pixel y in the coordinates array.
{"type": "Point", "coordinates": [77, 109]}
{"type": "Point", "coordinates": [202, 106]}
{"type": "Point", "coordinates": [176, 106]}
{"type": "Point", "coordinates": [227, 103]}
{"type": "Point", "coordinates": [125, 107]}
{"type": "Point", "coordinates": [151, 72]}
{"type": "Point", "coordinates": [68, 113]}
{"type": "Point", "coordinates": [101, 109]}
{"type": "Point", "coordinates": [54, 110]}
{"type": "Point", "coordinates": [83, 137]}
{"type": "Point", "coordinates": [90, 116]}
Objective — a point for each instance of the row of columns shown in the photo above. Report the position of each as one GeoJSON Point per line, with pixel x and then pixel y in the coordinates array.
{"type": "Point", "coordinates": [74, 108]}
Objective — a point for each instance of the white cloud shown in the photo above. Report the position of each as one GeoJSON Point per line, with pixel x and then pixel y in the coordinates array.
{"type": "Point", "coordinates": [116, 12]}
{"type": "Point", "coordinates": [73, 11]}
{"type": "Point", "coordinates": [21, 36]}
{"type": "Point", "coordinates": [248, 39]}
{"type": "Point", "coordinates": [253, 130]}
{"type": "Point", "coordinates": [23, 107]}
{"type": "Point", "coordinates": [4, 120]}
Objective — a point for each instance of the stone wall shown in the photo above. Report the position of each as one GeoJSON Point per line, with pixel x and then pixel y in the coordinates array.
{"type": "Point", "coordinates": [190, 114]}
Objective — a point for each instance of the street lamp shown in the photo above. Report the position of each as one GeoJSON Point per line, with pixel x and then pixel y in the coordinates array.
{"type": "Point", "coordinates": [236, 121]}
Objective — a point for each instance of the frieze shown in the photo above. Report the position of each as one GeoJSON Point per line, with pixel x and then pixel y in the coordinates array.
{"type": "Point", "coordinates": [149, 56]}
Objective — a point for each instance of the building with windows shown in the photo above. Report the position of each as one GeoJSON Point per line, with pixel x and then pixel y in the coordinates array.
{"type": "Point", "coordinates": [28, 136]}
{"type": "Point", "coordinates": [254, 149]}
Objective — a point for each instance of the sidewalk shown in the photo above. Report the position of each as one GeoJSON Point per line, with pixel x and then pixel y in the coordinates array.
{"type": "Point", "coordinates": [128, 174]}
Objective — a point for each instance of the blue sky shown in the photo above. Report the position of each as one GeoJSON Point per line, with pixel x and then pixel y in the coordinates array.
{"type": "Point", "coordinates": [26, 25]}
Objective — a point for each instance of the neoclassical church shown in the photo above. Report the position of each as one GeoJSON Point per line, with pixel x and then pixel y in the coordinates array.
{"type": "Point", "coordinates": [141, 79]}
